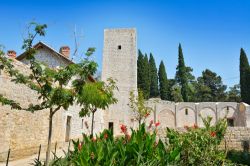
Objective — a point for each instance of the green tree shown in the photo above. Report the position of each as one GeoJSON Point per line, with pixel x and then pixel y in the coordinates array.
{"type": "Point", "coordinates": [137, 104]}
{"type": "Point", "coordinates": [183, 75]}
{"type": "Point", "coordinates": [176, 93]}
{"type": "Point", "coordinates": [94, 96]}
{"type": "Point", "coordinates": [210, 87]}
{"type": "Point", "coordinates": [244, 77]}
{"type": "Point", "coordinates": [146, 89]}
{"type": "Point", "coordinates": [154, 91]}
{"type": "Point", "coordinates": [164, 89]}
{"type": "Point", "coordinates": [233, 95]}
{"type": "Point", "coordinates": [143, 75]}
{"type": "Point", "coordinates": [56, 88]}
{"type": "Point", "coordinates": [140, 70]}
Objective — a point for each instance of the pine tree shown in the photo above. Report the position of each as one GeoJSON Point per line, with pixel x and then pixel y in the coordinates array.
{"type": "Point", "coordinates": [182, 74]}
{"type": "Point", "coordinates": [154, 91]}
{"type": "Point", "coordinates": [244, 77]}
{"type": "Point", "coordinates": [164, 93]}
{"type": "Point", "coordinates": [210, 87]}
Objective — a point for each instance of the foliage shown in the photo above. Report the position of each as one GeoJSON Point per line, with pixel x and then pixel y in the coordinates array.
{"type": "Point", "coordinates": [143, 74]}
{"type": "Point", "coordinates": [137, 105]}
{"type": "Point", "coordinates": [154, 91]}
{"type": "Point", "coordinates": [147, 79]}
{"type": "Point", "coordinates": [210, 87]}
{"type": "Point", "coordinates": [94, 96]}
{"type": "Point", "coordinates": [51, 85]}
{"type": "Point", "coordinates": [176, 93]}
{"type": "Point", "coordinates": [139, 148]}
{"type": "Point", "coordinates": [183, 75]}
{"type": "Point", "coordinates": [233, 95]}
{"type": "Point", "coordinates": [164, 88]}
{"type": "Point", "coordinates": [239, 157]}
{"type": "Point", "coordinates": [244, 77]}
{"type": "Point", "coordinates": [197, 146]}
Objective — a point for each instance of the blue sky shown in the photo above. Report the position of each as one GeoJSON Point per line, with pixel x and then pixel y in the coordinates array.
{"type": "Point", "coordinates": [211, 31]}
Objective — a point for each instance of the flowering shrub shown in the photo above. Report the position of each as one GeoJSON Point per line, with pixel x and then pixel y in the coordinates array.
{"type": "Point", "coordinates": [139, 148]}
{"type": "Point", "coordinates": [197, 146]}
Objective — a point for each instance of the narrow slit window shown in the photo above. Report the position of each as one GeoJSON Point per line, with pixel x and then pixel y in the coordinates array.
{"type": "Point", "coordinates": [119, 47]}
{"type": "Point", "coordinates": [82, 123]}
{"type": "Point", "coordinates": [186, 111]}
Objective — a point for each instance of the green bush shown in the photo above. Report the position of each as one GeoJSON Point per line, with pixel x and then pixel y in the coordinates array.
{"type": "Point", "coordinates": [139, 148]}
{"type": "Point", "coordinates": [239, 157]}
{"type": "Point", "coordinates": [195, 146]}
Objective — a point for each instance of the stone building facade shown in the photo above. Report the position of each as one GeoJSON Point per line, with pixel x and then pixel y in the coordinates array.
{"type": "Point", "coordinates": [120, 63]}
{"type": "Point", "coordinates": [23, 131]}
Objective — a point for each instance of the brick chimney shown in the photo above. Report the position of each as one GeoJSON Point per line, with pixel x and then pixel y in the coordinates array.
{"type": "Point", "coordinates": [65, 51]}
{"type": "Point", "coordinates": [11, 53]}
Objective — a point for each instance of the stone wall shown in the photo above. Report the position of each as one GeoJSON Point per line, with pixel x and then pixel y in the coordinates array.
{"type": "Point", "coordinates": [120, 63]}
{"type": "Point", "coordinates": [175, 115]}
{"type": "Point", "coordinates": [237, 138]}
{"type": "Point", "coordinates": [23, 131]}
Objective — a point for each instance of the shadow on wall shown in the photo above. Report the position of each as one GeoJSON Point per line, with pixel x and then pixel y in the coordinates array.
{"type": "Point", "coordinates": [245, 145]}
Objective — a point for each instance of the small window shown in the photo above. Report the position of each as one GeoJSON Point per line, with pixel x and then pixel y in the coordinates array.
{"type": "Point", "coordinates": [230, 122]}
{"type": "Point", "coordinates": [186, 111]}
{"type": "Point", "coordinates": [119, 47]}
{"type": "Point", "coordinates": [82, 123]}
{"type": "Point", "coordinates": [227, 108]}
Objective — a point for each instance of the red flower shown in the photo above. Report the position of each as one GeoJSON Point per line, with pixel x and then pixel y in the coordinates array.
{"type": "Point", "coordinates": [80, 146]}
{"type": "Point", "coordinates": [157, 124]}
{"type": "Point", "coordinates": [195, 126]}
{"type": "Point", "coordinates": [124, 129]}
{"type": "Point", "coordinates": [105, 136]}
{"type": "Point", "coordinates": [213, 134]}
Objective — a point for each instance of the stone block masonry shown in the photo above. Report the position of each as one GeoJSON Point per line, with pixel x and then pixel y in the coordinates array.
{"type": "Point", "coordinates": [177, 115]}
{"type": "Point", "coordinates": [237, 138]}
{"type": "Point", "coordinates": [23, 131]}
{"type": "Point", "coordinates": [120, 63]}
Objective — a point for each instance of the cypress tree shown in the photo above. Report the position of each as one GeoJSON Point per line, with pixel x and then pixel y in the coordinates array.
{"type": "Point", "coordinates": [244, 77]}
{"type": "Point", "coordinates": [154, 92]}
{"type": "Point", "coordinates": [140, 72]}
{"type": "Point", "coordinates": [164, 94]}
{"type": "Point", "coordinates": [182, 75]}
{"type": "Point", "coordinates": [146, 77]}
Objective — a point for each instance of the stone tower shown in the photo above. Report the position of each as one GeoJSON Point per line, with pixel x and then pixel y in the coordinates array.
{"type": "Point", "coordinates": [120, 63]}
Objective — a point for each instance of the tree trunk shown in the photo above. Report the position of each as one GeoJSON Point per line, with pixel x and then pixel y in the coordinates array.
{"type": "Point", "coordinates": [92, 123]}
{"type": "Point", "coordinates": [49, 139]}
